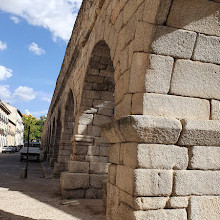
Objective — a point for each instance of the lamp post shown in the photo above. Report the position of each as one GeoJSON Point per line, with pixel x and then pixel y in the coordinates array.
{"type": "Point", "coordinates": [26, 168]}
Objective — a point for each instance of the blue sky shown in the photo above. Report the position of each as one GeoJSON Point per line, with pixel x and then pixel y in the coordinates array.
{"type": "Point", "coordinates": [33, 38]}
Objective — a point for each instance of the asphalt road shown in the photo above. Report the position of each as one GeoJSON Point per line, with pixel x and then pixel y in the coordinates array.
{"type": "Point", "coordinates": [37, 197]}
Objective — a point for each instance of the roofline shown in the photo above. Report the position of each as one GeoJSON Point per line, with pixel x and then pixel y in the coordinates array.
{"type": "Point", "coordinates": [19, 112]}
{"type": "Point", "coordinates": [4, 108]}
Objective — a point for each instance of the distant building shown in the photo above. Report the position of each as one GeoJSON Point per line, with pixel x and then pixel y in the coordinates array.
{"type": "Point", "coordinates": [4, 114]}
{"type": "Point", "coordinates": [11, 132]}
{"type": "Point", "coordinates": [16, 118]}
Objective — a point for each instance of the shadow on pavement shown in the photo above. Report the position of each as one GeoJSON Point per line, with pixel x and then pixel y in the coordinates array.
{"type": "Point", "coordinates": [10, 216]}
{"type": "Point", "coordinates": [38, 196]}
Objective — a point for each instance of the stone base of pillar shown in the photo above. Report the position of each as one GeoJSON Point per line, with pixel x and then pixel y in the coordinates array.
{"type": "Point", "coordinates": [78, 178]}
{"type": "Point", "coordinates": [52, 161]}
{"type": "Point", "coordinates": [59, 168]}
{"type": "Point", "coordinates": [73, 193]}
{"type": "Point", "coordinates": [162, 167]}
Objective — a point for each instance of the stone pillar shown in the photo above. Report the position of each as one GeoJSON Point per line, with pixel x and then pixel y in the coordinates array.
{"type": "Point", "coordinates": [86, 173]}
{"type": "Point", "coordinates": [154, 168]}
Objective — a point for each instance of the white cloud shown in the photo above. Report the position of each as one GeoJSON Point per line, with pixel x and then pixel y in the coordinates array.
{"type": "Point", "coordinates": [25, 93]}
{"type": "Point", "coordinates": [46, 99]}
{"type": "Point", "coordinates": [5, 73]}
{"type": "Point", "coordinates": [3, 46]}
{"type": "Point", "coordinates": [33, 47]}
{"type": "Point", "coordinates": [43, 96]}
{"type": "Point", "coordinates": [15, 19]}
{"type": "Point", "coordinates": [27, 112]}
{"type": "Point", "coordinates": [5, 93]}
{"type": "Point", "coordinates": [36, 114]}
{"type": "Point", "coordinates": [56, 16]}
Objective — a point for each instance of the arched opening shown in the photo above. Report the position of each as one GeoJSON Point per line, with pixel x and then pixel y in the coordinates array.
{"type": "Point", "coordinates": [57, 137]}
{"type": "Point", "coordinates": [97, 108]}
{"type": "Point", "coordinates": [68, 118]}
{"type": "Point", "coordinates": [65, 143]}
{"type": "Point", "coordinates": [51, 140]}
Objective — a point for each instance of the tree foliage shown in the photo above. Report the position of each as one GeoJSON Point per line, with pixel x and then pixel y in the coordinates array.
{"type": "Point", "coordinates": [36, 127]}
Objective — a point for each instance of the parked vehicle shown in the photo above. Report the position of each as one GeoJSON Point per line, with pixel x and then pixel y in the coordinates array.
{"type": "Point", "coordinates": [7, 149]}
{"type": "Point", "coordinates": [14, 148]}
{"type": "Point", "coordinates": [33, 153]}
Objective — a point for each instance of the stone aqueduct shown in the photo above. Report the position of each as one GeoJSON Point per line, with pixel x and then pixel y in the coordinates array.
{"type": "Point", "coordinates": [136, 109]}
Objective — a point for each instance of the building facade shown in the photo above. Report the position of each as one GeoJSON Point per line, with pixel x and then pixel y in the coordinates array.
{"type": "Point", "coordinates": [136, 105]}
{"type": "Point", "coordinates": [16, 118]}
{"type": "Point", "coordinates": [4, 115]}
{"type": "Point", "coordinates": [11, 133]}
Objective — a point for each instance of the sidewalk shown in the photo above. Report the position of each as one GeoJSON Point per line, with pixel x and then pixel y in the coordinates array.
{"type": "Point", "coordinates": [39, 198]}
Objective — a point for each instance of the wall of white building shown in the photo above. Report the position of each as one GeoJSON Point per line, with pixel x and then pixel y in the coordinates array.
{"type": "Point", "coordinates": [4, 114]}
{"type": "Point", "coordinates": [16, 117]}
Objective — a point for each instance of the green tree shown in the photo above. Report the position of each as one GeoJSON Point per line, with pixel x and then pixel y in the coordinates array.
{"type": "Point", "coordinates": [36, 126]}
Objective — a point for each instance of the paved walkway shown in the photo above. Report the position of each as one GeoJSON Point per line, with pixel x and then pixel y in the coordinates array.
{"type": "Point", "coordinates": [37, 197]}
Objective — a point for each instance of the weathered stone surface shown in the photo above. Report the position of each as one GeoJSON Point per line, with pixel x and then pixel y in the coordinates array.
{"type": "Point", "coordinates": [94, 130]}
{"type": "Point", "coordinates": [148, 203]}
{"type": "Point", "coordinates": [153, 182]}
{"type": "Point", "coordinates": [176, 106]}
{"type": "Point", "coordinates": [78, 167]}
{"type": "Point", "coordinates": [145, 129]}
{"type": "Point", "coordinates": [178, 202]}
{"type": "Point", "coordinates": [195, 182]}
{"type": "Point", "coordinates": [63, 159]}
{"type": "Point", "coordinates": [143, 36]}
{"type": "Point", "coordinates": [74, 180]}
{"type": "Point", "coordinates": [173, 42]}
{"type": "Point", "coordinates": [155, 156]}
{"type": "Point", "coordinates": [96, 180]}
{"type": "Point", "coordinates": [158, 75]}
{"type": "Point", "coordinates": [196, 15]}
{"type": "Point", "coordinates": [138, 71]}
{"type": "Point", "coordinates": [58, 168]}
{"type": "Point", "coordinates": [200, 133]}
{"type": "Point", "coordinates": [82, 129]}
{"type": "Point", "coordinates": [204, 207]}
{"type": "Point", "coordinates": [189, 77]}
{"type": "Point", "coordinates": [101, 119]}
{"type": "Point", "coordinates": [114, 153]}
{"type": "Point", "coordinates": [129, 9]}
{"type": "Point", "coordinates": [207, 49]}
{"type": "Point", "coordinates": [205, 158]}
{"type": "Point", "coordinates": [86, 119]}
{"type": "Point", "coordinates": [112, 202]}
{"type": "Point", "coordinates": [73, 193]}
{"type": "Point", "coordinates": [96, 159]}
{"type": "Point", "coordinates": [144, 182]}
{"type": "Point", "coordinates": [112, 174]}
{"type": "Point", "coordinates": [98, 167]}
{"type": "Point", "coordinates": [156, 11]}
{"type": "Point", "coordinates": [125, 179]}
{"type": "Point", "coordinates": [93, 150]}
{"type": "Point", "coordinates": [126, 212]}
{"type": "Point", "coordinates": [92, 193]}
{"type": "Point", "coordinates": [168, 214]}
{"type": "Point", "coordinates": [215, 110]}
{"type": "Point", "coordinates": [125, 31]}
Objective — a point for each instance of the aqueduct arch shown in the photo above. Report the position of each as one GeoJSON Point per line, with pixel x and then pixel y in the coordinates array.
{"type": "Point", "coordinates": [65, 142]}
{"type": "Point", "coordinates": [90, 150]}
{"type": "Point", "coordinates": [164, 140]}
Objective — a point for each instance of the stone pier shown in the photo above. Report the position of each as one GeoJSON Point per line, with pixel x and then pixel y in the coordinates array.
{"type": "Point", "coordinates": [135, 115]}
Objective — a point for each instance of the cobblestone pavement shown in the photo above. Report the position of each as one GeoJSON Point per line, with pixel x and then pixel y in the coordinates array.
{"type": "Point", "coordinates": [37, 197]}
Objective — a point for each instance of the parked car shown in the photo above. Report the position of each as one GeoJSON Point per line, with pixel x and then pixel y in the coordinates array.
{"type": "Point", "coordinates": [33, 153]}
{"type": "Point", "coordinates": [8, 149]}
{"type": "Point", "coordinates": [14, 148]}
